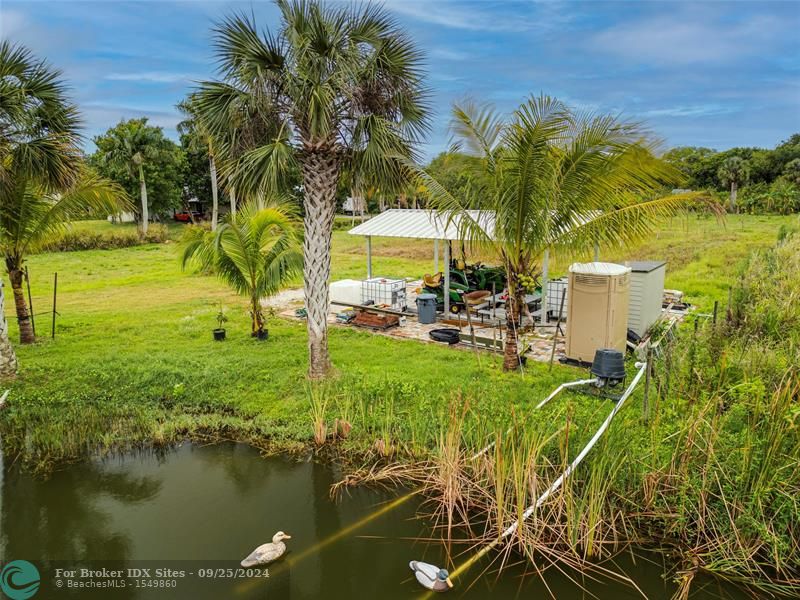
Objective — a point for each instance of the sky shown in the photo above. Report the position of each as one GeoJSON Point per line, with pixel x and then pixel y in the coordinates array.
{"type": "Point", "coordinates": [701, 73]}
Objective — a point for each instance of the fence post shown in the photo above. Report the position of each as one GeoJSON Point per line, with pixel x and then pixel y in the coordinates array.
{"type": "Point", "coordinates": [30, 301]}
{"type": "Point", "coordinates": [647, 372]}
{"type": "Point", "coordinates": [55, 294]}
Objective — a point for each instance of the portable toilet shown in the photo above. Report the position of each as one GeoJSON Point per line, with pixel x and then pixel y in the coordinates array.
{"type": "Point", "coordinates": [597, 315]}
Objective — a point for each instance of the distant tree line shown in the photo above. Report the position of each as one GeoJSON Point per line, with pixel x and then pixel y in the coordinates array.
{"type": "Point", "coordinates": [756, 180]}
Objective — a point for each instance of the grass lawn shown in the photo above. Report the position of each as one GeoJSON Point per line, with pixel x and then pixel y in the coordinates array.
{"type": "Point", "coordinates": [133, 356]}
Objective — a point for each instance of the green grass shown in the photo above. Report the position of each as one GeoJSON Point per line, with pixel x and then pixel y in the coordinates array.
{"type": "Point", "coordinates": [133, 328]}
{"type": "Point", "coordinates": [133, 362]}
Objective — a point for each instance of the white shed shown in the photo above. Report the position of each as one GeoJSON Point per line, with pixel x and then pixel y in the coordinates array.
{"type": "Point", "coordinates": [647, 291]}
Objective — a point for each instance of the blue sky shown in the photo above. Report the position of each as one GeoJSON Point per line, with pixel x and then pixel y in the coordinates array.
{"type": "Point", "coordinates": [713, 73]}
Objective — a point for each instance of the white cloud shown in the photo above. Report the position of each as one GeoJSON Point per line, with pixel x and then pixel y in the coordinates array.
{"type": "Point", "coordinates": [449, 54]}
{"type": "Point", "coordinates": [153, 77]}
{"type": "Point", "coordinates": [459, 16]}
{"type": "Point", "coordinates": [11, 22]}
{"type": "Point", "coordinates": [695, 110]}
{"type": "Point", "coordinates": [687, 38]}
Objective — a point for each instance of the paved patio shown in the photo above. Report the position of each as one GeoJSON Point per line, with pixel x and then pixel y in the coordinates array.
{"type": "Point", "coordinates": [540, 343]}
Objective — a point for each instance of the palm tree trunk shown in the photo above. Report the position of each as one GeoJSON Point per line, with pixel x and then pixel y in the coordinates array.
{"type": "Point", "coordinates": [734, 191]}
{"type": "Point", "coordinates": [515, 301]}
{"type": "Point", "coordinates": [8, 358]}
{"type": "Point", "coordinates": [23, 316]}
{"type": "Point", "coordinates": [143, 194]}
{"type": "Point", "coordinates": [232, 194]}
{"type": "Point", "coordinates": [255, 311]}
{"type": "Point", "coordinates": [214, 200]}
{"type": "Point", "coordinates": [320, 174]}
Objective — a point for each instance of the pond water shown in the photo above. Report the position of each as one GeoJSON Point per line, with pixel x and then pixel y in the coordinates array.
{"type": "Point", "coordinates": [198, 509]}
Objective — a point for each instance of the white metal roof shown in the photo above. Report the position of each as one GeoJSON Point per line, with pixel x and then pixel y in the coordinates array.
{"type": "Point", "coordinates": [420, 224]}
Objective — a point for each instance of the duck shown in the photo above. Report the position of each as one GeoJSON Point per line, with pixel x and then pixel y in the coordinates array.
{"type": "Point", "coordinates": [431, 576]}
{"type": "Point", "coordinates": [267, 553]}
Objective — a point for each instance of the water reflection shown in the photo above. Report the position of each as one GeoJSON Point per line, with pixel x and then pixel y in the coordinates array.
{"type": "Point", "coordinates": [216, 503]}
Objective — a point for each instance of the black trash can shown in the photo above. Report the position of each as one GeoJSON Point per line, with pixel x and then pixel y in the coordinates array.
{"type": "Point", "coordinates": [426, 308]}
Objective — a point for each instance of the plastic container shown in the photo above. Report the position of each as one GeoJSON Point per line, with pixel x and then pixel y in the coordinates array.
{"type": "Point", "coordinates": [426, 308]}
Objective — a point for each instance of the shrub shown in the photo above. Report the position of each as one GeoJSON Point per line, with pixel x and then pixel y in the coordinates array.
{"type": "Point", "coordinates": [92, 240]}
{"type": "Point", "coordinates": [781, 196]}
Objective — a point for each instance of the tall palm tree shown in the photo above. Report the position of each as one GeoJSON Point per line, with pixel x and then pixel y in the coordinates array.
{"type": "Point", "coordinates": [551, 178]}
{"type": "Point", "coordinates": [31, 215]}
{"type": "Point", "coordinates": [256, 252]}
{"type": "Point", "coordinates": [131, 147]}
{"type": "Point", "coordinates": [733, 172]}
{"type": "Point", "coordinates": [198, 135]}
{"type": "Point", "coordinates": [335, 88]}
{"type": "Point", "coordinates": [43, 180]}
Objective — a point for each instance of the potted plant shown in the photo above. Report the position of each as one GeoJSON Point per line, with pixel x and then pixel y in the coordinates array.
{"type": "Point", "coordinates": [219, 332]}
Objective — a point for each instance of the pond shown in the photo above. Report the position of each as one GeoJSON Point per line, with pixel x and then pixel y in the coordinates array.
{"type": "Point", "coordinates": [194, 512]}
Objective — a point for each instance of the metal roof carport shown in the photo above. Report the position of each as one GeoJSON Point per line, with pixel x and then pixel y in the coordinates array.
{"type": "Point", "coordinates": [417, 223]}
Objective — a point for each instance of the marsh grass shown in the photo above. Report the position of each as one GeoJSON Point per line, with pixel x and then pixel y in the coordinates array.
{"type": "Point", "coordinates": [713, 477]}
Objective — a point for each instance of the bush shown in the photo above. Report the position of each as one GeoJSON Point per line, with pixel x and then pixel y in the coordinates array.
{"type": "Point", "coordinates": [781, 196]}
{"type": "Point", "coordinates": [91, 240]}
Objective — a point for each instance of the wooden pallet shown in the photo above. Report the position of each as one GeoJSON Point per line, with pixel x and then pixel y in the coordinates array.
{"type": "Point", "coordinates": [380, 322]}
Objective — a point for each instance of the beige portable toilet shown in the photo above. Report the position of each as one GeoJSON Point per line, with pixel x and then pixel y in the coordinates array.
{"type": "Point", "coordinates": [597, 316]}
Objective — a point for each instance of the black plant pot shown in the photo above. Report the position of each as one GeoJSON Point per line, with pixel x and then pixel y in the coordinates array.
{"type": "Point", "coordinates": [219, 334]}
{"type": "Point", "coordinates": [261, 334]}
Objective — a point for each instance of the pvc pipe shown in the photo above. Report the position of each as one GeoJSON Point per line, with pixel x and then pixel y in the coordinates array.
{"type": "Point", "coordinates": [564, 386]}
{"type": "Point", "coordinates": [586, 449]}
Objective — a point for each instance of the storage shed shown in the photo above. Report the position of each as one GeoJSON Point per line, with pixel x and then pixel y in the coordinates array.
{"type": "Point", "coordinates": [647, 290]}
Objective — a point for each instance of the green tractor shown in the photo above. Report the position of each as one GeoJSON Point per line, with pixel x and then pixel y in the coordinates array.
{"type": "Point", "coordinates": [465, 280]}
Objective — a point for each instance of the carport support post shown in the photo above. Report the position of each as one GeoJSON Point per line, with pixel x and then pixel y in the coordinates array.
{"type": "Point", "coordinates": [435, 257]}
{"type": "Point", "coordinates": [545, 281]}
{"type": "Point", "coordinates": [369, 257]}
{"type": "Point", "coordinates": [446, 279]}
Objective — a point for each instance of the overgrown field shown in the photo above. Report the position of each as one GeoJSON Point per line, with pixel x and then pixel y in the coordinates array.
{"type": "Point", "coordinates": [714, 471]}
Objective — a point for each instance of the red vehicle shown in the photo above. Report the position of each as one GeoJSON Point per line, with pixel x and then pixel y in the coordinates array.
{"type": "Point", "coordinates": [184, 216]}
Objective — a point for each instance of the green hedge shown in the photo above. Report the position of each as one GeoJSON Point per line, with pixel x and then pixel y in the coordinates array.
{"type": "Point", "coordinates": [92, 240]}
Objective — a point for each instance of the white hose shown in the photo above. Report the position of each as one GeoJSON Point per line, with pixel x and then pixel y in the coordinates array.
{"type": "Point", "coordinates": [557, 483]}
{"type": "Point", "coordinates": [564, 386]}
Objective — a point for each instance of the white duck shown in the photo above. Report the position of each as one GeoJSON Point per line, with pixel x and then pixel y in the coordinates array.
{"type": "Point", "coordinates": [266, 553]}
{"type": "Point", "coordinates": [431, 576]}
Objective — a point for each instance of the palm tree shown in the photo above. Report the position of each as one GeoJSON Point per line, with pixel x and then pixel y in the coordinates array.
{"type": "Point", "coordinates": [198, 135]}
{"type": "Point", "coordinates": [336, 88]}
{"type": "Point", "coordinates": [792, 171]}
{"type": "Point", "coordinates": [43, 180]}
{"type": "Point", "coordinates": [551, 179]}
{"type": "Point", "coordinates": [131, 147]}
{"type": "Point", "coordinates": [30, 216]}
{"type": "Point", "coordinates": [256, 252]}
{"type": "Point", "coordinates": [733, 172]}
